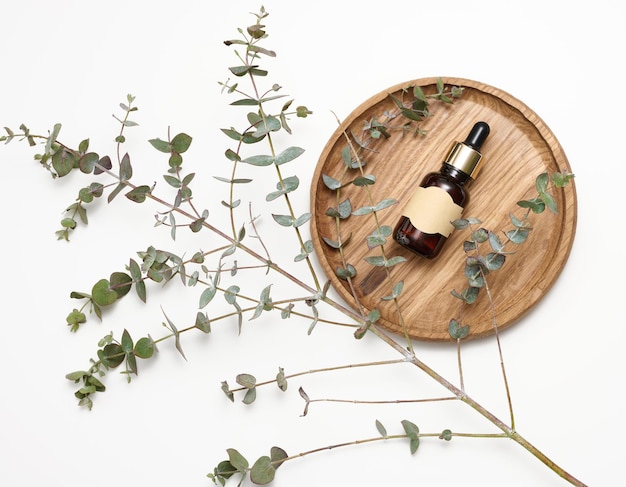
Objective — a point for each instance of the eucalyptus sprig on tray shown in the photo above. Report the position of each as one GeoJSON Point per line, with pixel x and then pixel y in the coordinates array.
{"type": "Point", "coordinates": [233, 280]}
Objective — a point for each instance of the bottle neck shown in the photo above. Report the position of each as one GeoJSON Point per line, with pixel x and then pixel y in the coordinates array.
{"type": "Point", "coordinates": [455, 174]}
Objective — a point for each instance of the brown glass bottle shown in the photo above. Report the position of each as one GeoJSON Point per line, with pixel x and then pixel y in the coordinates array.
{"type": "Point", "coordinates": [425, 223]}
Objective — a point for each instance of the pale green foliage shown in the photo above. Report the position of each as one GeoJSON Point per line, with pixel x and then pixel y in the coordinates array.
{"type": "Point", "coordinates": [216, 272]}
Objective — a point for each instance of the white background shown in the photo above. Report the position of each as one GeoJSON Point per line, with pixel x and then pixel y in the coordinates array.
{"type": "Point", "coordinates": [74, 61]}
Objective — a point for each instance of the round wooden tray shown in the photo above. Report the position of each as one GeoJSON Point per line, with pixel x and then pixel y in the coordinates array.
{"type": "Point", "coordinates": [518, 149]}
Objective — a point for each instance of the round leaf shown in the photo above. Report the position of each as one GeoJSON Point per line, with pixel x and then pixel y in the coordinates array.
{"type": "Point", "coordinates": [102, 294]}
{"type": "Point", "coordinates": [144, 348]}
{"type": "Point", "coordinates": [120, 283]}
{"type": "Point", "coordinates": [112, 355]}
{"type": "Point", "coordinates": [181, 142]}
{"type": "Point", "coordinates": [262, 471]}
{"type": "Point", "coordinates": [87, 162]}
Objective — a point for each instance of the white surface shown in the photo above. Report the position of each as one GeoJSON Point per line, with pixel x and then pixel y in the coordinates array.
{"type": "Point", "coordinates": [73, 62]}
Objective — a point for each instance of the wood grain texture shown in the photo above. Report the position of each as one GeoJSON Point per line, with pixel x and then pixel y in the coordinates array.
{"type": "Point", "coordinates": [519, 148]}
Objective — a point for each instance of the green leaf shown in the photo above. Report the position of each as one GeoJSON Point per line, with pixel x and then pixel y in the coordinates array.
{"type": "Point", "coordinates": [181, 142]}
{"type": "Point", "coordinates": [233, 134]}
{"type": "Point", "coordinates": [62, 162]}
{"type": "Point", "coordinates": [103, 163]}
{"type": "Point", "coordinates": [412, 432]}
{"type": "Point", "coordinates": [397, 289]}
{"type": "Point", "coordinates": [446, 435]}
{"type": "Point", "coordinates": [347, 272]}
{"type": "Point", "coordinates": [172, 181]}
{"type": "Point", "coordinates": [278, 455]}
{"type": "Point", "coordinates": [240, 70]}
{"type": "Point", "coordinates": [68, 223]}
{"type": "Point", "coordinates": [246, 380]}
{"type": "Point", "coordinates": [102, 294]}
{"type": "Point", "coordinates": [262, 472]}
{"type": "Point", "coordinates": [284, 220]}
{"type": "Point", "coordinates": [494, 261]}
{"type": "Point", "coordinates": [373, 316]}
{"type": "Point", "coordinates": [419, 93]}
{"type": "Point", "coordinates": [51, 138]}
{"type": "Point", "coordinates": [121, 283]}
{"type": "Point", "coordinates": [561, 179]}
{"type": "Point", "coordinates": [226, 390]}
{"type": "Point", "coordinates": [144, 348]}
{"type": "Point", "coordinates": [364, 210]}
{"type": "Point", "coordinates": [366, 180]}
{"type": "Point", "coordinates": [237, 460]}
{"type": "Point", "coordinates": [115, 192]}
{"type": "Point", "coordinates": [518, 235]}
{"type": "Point", "coordinates": [469, 295]}
{"type": "Point", "coordinates": [138, 194]}
{"type": "Point", "coordinates": [112, 355]}
{"type": "Point", "coordinates": [536, 205]}
{"type": "Point", "coordinates": [176, 336]}
{"type": "Point", "coordinates": [375, 241]}
{"type": "Point", "coordinates": [222, 472]}
{"type": "Point", "coordinates": [161, 145]}
{"type": "Point", "coordinates": [242, 102]}
{"type": "Point", "coordinates": [386, 203]}
{"type": "Point", "coordinates": [495, 242]}
{"type": "Point", "coordinates": [87, 162]}
{"type": "Point", "coordinates": [541, 183]}
{"type": "Point", "coordinates": [381, 429]}
{"type": "Point", "coordinates": [281, 382]}
{"type": "Point", "coordinates": [250, 396]}
{"type": "Point", "coordinates": [286, 186]}
{"type": "Point", "coordinates": [288, 155]}
{"type": "Point", "coordinates": [202, 322]}
{"type": "Point", "coordinates": [456, 331]}
{"type": "Point", "coordinates": [376, 260]}
{"type": "Point", "coordinates": [331, 183]}
{"type": "Point", "coordinates": [127, 342]}
{"type": "Point", "coordinates": [398, 259]}
{"type": "Point", "coordinates": [550, 202]}
{"type": "Point", "coordinates": [481, 235]}
{"type": "Point", "coordinates": [131, 365]}
{"type": "Point", "coordinates": [315, 320]}
{"type": "Point", "coordinates": [75, 319]}
{"type": "Point", "coordinates": [259, 160]}
{"type": "Point", "coordinates": [263, 127]}
{"type": "Point", "coordinates": [126, 170]}
{"type": "Point", "coordinates": [76, 376]}
{"type": "Point", "coordinates": [302, 219]}
{"type": "Point", "coordinates": [140, 286]}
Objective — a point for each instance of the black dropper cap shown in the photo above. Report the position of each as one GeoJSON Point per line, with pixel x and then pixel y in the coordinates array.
{"type": "Point", "coordinates": [477, 136]}
{"type": "Point", "coordinates": [466, 156]}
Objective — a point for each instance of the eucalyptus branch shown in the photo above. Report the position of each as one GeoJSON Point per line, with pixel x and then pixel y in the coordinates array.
{"type": "Point", "coordinates": [263, 470]}
{"type": "Point", "coordinates": [248, 381]}
{"type": "Point", "coordinates": [162, 266]}
{"type": "Point", "coordinates": [381, 401]}
{"type": "Point", "coordinates": [478, 266]}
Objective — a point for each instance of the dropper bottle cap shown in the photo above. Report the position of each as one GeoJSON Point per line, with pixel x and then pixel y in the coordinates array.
{"type": "Point", "coordinates": [465, 156]}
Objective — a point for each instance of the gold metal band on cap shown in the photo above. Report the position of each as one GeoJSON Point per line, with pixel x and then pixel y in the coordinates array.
{"type": "Point", "coordinates": [464, 158]}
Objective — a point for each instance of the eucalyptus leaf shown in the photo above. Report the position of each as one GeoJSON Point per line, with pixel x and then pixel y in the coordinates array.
{"type": "Point", "coordinates": [262, 472]}
{"type": "Point", "coordinates": [144, 348]}
{"type": "Point", "coordinates": [331, 183]}
{"type": "Point", "coordinates": [237, 460]}
{"type": "Point", "coordinates": [288, 155]}
{"type": "Point", "coordinates": [161, 145]}
{"type": "Point", "coordinates": [102, 294]}
{"type": "Point", "coordinates": [381, 429]}
{"type": "Point", "coordinates": [87, 162]}
{"type": "Point", "coordinates": [250, 396]}
{"type": "Point", "coordinates": [277, 455]}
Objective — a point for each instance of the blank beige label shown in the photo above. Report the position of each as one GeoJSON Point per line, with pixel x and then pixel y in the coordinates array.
{"type": "Point", "coordinates": [431, 210]}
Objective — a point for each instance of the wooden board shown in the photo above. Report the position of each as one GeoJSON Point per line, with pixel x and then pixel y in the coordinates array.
{"type": "Point", "coordinates": [519, 148]}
